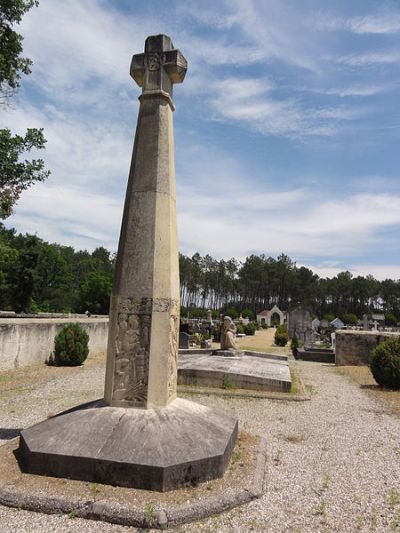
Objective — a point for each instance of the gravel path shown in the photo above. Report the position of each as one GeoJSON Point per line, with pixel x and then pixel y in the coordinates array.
{"type": "Point", "coordinates": [333, 462]}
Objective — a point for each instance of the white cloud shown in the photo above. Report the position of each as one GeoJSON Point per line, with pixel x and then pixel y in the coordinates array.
{"type": "Point", "coordinates": [357, 90]}
{"type": "Point", "coordinates": [384, 23]}
{"type": "Point", "coordinates": [379, 272]}
{"type": "Point", "coordinates": [369, 58]}
{"type": "Point", "coordinates": [254, 103]}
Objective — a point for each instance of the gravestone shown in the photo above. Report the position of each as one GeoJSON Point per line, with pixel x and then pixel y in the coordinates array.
{"type": "Point", "coordinates": [141, 435]}
{"type": "Point", "coordinates": [299, 324]}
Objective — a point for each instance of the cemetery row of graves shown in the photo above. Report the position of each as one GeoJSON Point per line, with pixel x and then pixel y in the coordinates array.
{"type": "Point", "coordinates": [39, 276]}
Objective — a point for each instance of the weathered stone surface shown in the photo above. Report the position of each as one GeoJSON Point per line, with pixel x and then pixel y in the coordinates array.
{"type": "Point", "coordinates": [355, 347]}
{"type": "Point", "coordinates": [155, 449]}
{"type": "Point", "coordinates": [244, 372]}
{"type": "Point", "coordinates": [299, 324]}
{"type": "Point", "coordinates": [144, 311]}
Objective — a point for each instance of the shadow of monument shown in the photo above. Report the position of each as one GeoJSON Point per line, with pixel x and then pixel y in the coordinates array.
{"type": "Point", "coordinates": [9, 433]}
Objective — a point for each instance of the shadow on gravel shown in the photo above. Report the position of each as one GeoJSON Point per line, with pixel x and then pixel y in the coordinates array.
{"type": "Point", "coordinates": [9, 433]}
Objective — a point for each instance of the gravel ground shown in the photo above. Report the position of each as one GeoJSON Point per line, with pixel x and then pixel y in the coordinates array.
{"type": "Point", "coordinates": [333, 462]}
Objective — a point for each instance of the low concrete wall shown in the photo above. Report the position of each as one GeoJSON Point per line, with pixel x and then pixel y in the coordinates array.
{"type": "Point", "coordinates": [25, 341]}
{"type": "Point", "coordinates": [355, 347]}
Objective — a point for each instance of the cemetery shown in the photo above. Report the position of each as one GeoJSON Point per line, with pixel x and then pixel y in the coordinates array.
{"type": "Point", "coordinates": [148, 390]}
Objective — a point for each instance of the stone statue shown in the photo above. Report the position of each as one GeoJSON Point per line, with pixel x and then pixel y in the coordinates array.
{"type": "Point", "coordinates": [228, 334]}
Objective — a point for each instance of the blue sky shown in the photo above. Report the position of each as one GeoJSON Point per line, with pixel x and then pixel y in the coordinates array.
{"type": "Point", "coordinates": [286, 129]}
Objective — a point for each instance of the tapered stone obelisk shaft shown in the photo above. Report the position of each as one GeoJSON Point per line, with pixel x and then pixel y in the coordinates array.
{"type": "Point", "coordinates": [144, 311]}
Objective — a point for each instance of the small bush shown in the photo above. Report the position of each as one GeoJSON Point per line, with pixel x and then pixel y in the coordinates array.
{"type": "Point", "coordinates": [385, 363]}
{"type": "Point", "coordinates": [390, 319]}
{"type": "Point", "coordinates": [294, 345]}
{"type": "Point", "coordinates": [350, 319]}
{"type": "Point", "coordinates": [71, 346]}
{"type": "Point", "coordinates": [239, 328]}
{"type": "Point", "coordinates": [281, 336]}
{"type": "Point", "coordinates": [250, 329]}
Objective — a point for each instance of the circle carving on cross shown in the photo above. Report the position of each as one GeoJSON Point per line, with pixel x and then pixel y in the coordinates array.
{"type": "Point", "coordinates": [154, 60]}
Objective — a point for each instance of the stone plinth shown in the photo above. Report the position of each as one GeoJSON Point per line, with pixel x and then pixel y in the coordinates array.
{"type": "Point", "coordinates": [154, 449]}
{"type": "Point", "coordinates": [245, 372]}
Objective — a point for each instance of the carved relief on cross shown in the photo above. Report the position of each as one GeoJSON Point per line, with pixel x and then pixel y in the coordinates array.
{"type": "Point", "coordinates": [159, 67]}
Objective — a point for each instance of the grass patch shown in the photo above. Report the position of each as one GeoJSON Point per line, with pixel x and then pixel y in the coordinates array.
{"type": "Point", "coordinates": [295, 387]}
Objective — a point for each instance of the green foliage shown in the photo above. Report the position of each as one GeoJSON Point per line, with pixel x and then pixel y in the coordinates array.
{"type": "Point", "coordinates": [350, 319]}
{"type": "Point", "coordinates": [385, 363]}
{"type": "Point", "coordinates": [329, 317]}
{"type": "Point", "coordinates": [71, 346]}
{"type": "Point", "coordinates": [38, 276]}
{"type": "Point", "coordinates": [198, 312]}
{"type": "Point", "coordinates": [390, 319]}
{"type": "Point", "coordinates": [17, 175]}
{"type": "Point", "coordinates": [281, 336]}
{"type": "Point", "coordinates": [294, 345]}
{"type": "Point", "coordinates": [95, 292]}
{"type": "Point", "coordinates": [239, 328]}
{"type": "Point", "coordinates": [248, 313]}
{"type": "Point", "coordinates": [12, 64]}
{"type": "Point", "coordinates": [232, 313]}
{"type": "Point", "coordinates": [227, 382]}
{"type": "Point", "coordinates": [250, 328]}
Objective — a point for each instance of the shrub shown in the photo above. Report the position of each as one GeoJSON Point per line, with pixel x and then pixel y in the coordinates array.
{"type": "Point", "coordinates": [71, 346]}
{"type": "Point", "coordinates": [350, 319]}
{"type": "Point", "coordinates": [385, 363]}
{"type": "Point", "coordinates": [248, 313]}
{"type": "Point", "coordinates": [390, 319]}
{"type": "Point", "coordinates": [239, 328]}
{"type": "Point", "coordinates": [281, 336]}
{"type": "Point", "coordinates": [250, 329]}
{"type": "Point", "coordinates": [294, 345]}
{"type": "Point", "coordinates": [232, 313]}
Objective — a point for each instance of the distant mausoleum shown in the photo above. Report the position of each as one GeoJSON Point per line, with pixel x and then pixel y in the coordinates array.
{"type": "Point", "coordinates": [271, 316]}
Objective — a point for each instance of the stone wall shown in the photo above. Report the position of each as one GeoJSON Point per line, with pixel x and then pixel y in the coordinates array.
{"type": "Point", "coordinates": [355, 347]}
{"type": "Point", "coordinates": [26, 341]}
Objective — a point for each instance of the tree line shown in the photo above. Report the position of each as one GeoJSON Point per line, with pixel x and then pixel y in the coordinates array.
{"type": "Point", "coordinates": [260, 282]}
{"type": "Point", "coordinates": [38, 276]}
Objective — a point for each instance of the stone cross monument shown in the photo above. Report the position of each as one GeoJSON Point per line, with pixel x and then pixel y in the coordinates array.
{"type": "Point", "coordinates": [141, 435]}
{"type": "Point", "coordinates": [144, 311]}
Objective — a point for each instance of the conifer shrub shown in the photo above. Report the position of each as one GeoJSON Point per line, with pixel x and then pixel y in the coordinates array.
{"type": "Point", "coordinates": [281, 336]}
{"type": "Point", "coordinates": [71, 346]}
{"type": "Point", "coordinates": [385, 363]}
{"type": "Point", "coordinates": [239, 328]}
{"type": "Point", "coordinates": [249, 328]}
{"type": "Point", "coordinates": [294, 345]}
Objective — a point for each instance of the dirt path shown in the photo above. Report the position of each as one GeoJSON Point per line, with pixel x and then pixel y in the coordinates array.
{"type": "Point", "coordinates": [333, 462]}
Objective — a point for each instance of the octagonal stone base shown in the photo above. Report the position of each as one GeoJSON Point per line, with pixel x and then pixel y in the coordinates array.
{"type": "Point", "coordinates": [154, 449]}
